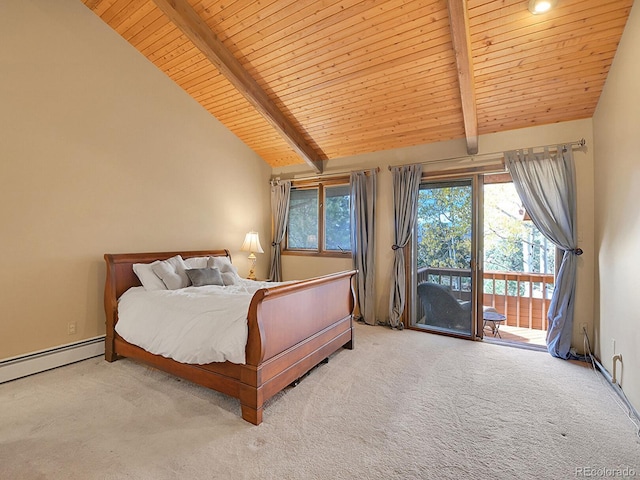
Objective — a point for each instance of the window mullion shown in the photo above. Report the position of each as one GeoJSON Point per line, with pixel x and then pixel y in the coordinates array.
{"type": "Point", "coordinates": [321, 232]}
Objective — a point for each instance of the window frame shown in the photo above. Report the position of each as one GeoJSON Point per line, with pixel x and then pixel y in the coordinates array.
{"type": "Point", "coordinates": [320, 185]}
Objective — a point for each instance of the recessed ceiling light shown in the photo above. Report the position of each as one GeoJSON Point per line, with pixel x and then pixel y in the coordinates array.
{"type": "Point", "coordinates": [541, 6]}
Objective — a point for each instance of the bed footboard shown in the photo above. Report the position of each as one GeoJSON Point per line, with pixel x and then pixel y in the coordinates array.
{"type": "Point", "coordinates": [292, 328]}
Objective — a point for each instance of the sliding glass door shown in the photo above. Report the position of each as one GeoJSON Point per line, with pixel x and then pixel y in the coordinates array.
{"type": "Point", "coordinates": [445, 249]}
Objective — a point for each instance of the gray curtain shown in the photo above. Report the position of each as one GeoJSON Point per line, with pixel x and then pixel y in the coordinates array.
{"type": "Point", "coordinates": [363, 210]}
{"type": "Point", "coordinates": [406, 185]}
{"type": "Point", "coordinates": [280, 193]}
{"type": "Point", "coordinates": [546, 185]}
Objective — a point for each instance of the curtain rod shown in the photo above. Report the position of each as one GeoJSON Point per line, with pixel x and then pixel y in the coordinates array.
{"type": "Point", "coordinates": [578, 143]}
{"type": "Point", "coordinates": [324, 175]}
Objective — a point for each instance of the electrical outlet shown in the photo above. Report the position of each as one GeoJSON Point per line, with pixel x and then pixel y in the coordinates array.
{"type": "Point", "coordinates": [584, 330]}
{"type": "Point", "coordinates": [71, 328]}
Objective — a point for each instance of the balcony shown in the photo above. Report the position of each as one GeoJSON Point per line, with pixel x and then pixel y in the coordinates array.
{"type": "Point", "coordinates": [523, 297]}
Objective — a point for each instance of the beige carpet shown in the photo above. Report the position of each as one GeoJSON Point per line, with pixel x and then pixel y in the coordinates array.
{"type": "Point", "coordinates": [402, 405]}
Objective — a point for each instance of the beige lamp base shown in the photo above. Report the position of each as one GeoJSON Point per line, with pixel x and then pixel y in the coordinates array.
{"type": "Point", "coordinates": [252, 275]}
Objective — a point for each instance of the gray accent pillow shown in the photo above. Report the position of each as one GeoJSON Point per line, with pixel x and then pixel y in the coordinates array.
{"type": "Point", "coordinates": [205, 276]}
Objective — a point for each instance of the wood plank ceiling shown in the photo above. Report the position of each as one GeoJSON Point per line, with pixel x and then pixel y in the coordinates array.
{"type": "Point", "coordinates": [347, 77]}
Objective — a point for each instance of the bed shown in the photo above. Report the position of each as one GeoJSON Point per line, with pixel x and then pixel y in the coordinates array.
{"type": "Point", "coordinates": [291, 329]}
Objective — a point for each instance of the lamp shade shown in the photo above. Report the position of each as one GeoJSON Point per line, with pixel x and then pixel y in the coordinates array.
{"type": "Point", "coordinates": [252, 243]}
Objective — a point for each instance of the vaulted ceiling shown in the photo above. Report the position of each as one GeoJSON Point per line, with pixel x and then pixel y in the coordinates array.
{"type": "Point", "coordinates": [310, 80]}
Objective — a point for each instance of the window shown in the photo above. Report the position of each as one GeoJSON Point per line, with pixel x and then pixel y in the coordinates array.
{"type": "Point", "coordinates": [337, 218]}
{"type": "Point", "coordinates": [302, 230]}
{"type": "Point", "coordinates": [319, 220]}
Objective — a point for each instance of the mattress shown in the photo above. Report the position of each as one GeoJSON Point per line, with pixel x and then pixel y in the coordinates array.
{"type": "Point", "coordinates": [196, 325]}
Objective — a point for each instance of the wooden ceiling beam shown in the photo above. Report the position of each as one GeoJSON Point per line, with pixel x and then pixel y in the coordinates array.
{"type": "Point", "coordinates": [459, 21]}
{"type": "Point", "coordinates": [195, 29]}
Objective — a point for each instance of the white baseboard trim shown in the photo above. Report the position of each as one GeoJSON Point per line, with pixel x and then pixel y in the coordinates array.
{"type": "Point", "coordinates": [36, 362]}
{"type": "Point", "coordinates": [631, 411]}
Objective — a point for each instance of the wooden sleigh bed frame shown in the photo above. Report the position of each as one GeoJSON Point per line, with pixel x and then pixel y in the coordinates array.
{"type": "Point", "coordinates": [292, 328]}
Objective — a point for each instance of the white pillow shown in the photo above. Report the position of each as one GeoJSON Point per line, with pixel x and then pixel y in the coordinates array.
{"type": "Point", "coordinates": [196, 262]}
{"type": "Point", "coordinates": [229, 278]}
{"type": "Point", "coordinates": [149, 280]}
{"type": "Point", "coordinates": [224, 265]}
{"type": "Point", "coordinates": [172, 272]}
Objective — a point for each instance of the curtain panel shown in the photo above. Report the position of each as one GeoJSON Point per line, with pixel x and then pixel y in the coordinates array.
{"type": "Point", "coordinates": [363, 211]}
{"type": "Point", "coordinates": [546, 184]}
{"type": "Point", "coordinates": [280, 193]}
{"type": "Point", "coordinates": [406, 186]}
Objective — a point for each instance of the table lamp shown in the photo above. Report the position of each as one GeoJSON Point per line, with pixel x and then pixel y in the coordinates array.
{"type": "Point", "coordinates": [252, 245]}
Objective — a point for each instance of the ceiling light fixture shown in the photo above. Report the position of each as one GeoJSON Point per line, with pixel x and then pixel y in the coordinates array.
{"type": "Point", "coordinates": [541, 6]}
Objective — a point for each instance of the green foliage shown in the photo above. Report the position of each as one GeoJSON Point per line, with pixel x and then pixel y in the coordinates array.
{"type": "Point", "coordinates": [511, 243]}
{"type": "Point", "coordinates": [304, 211]}
{"type": "Point", "coordinates": [444, 226]}
{"type": "Point", "coordinates": [337, 218]}
{"type": "Point", "coordinates": [302, 229]}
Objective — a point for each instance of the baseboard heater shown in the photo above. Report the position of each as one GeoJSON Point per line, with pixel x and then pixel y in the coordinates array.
{"type": "Point", "coordinates": [40, 361]}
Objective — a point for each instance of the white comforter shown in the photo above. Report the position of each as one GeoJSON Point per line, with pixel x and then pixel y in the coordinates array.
{"type": "Point", "coordinates": [191, 325]}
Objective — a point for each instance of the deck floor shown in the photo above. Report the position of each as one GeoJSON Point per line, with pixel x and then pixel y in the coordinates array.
{"type": "Point", "coordinates": [519, 335]}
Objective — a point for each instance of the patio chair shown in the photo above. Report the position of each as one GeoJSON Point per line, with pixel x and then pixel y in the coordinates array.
{"type": "Point", "coordinates": [442, 309]}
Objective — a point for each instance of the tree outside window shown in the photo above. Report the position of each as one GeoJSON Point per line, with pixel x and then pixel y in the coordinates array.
{"type": "Point", "coordinates": [319, 220]}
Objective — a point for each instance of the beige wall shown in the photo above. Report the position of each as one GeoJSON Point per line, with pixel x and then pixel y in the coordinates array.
{"type": "Point", "coordinates": [617, 166]}
{"type": "Point", "coordinates": [301, 267]}
{"type": "Point", "coordinates": [101, 152]}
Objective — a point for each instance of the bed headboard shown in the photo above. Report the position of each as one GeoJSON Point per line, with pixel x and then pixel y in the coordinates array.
{"type": "Point", "coordinates": [120, 274]}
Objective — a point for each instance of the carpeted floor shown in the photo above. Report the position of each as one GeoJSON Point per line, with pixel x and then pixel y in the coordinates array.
{"type": "Point", "coordinates": [402, 405]}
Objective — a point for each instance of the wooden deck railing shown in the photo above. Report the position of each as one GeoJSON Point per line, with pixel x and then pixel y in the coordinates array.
{"type": "Point", "coordinates": [523, 297]}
